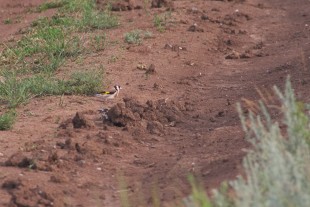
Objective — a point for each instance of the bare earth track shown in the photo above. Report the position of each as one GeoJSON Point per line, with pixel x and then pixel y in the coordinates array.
{"type": "Point", "coordinates": [166, 125]}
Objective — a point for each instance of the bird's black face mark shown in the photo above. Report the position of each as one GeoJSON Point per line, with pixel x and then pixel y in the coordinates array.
{"type": "Point", "coordinates": [117, 87]}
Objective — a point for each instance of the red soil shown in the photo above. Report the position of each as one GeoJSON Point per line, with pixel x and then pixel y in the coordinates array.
{"type": "Point", "coordinates": [177, 120]}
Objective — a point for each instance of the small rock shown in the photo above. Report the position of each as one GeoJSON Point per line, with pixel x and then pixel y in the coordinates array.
{"type": "Point", "coordinates": [151, 69]}
{"type": "Point", "coordinates": [195, 28]}
{"type": "Point", "coordinates": [78, 148]}
{"type": "Point", "coordinates": [193, 10]}
{"type": "Point", "coordinates": [212, 119]}
{"type": "Point", "coordinates": [220, 114]}
{"type": "Point", "coordinates": [182, 21]}
{"type": "Point", "coordinates": [233, 55]}
{"type": "Point", "coordinates": [155, 127]}
{"type": "Point", "coordinates": [156, 86]}
{"type": "Point", "coordinates": [11, 184]}
{"type": "Point", "coordinates": [58, 178]}
{"type": "Point", "coordinates": [61, 145]}
{"type": "Point", "coordinates": [68, 142]}
{"type": "Point", "coordinates": [245, 55]}
{"type": "Point", "coordinates": [141, 66]}
{"type": "Point", "coordinates": [160, 3]}
{"type": "Point", "coordinates": [172, 124]}
{"type": "Point", "coordinates": [204, 17]}
{"type": "Point", "coordinates": [53, 157]}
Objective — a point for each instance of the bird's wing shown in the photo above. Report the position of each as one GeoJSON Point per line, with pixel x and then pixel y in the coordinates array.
{"type": "Point", "coordinates": [106, 92]}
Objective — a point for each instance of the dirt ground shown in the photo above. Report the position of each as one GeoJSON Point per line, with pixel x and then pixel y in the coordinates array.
{"type": "Point", "coordinates": [180, 119]}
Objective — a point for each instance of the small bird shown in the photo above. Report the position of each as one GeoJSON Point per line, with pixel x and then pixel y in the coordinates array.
{"type": "Point", "coordinates": [105, 95]}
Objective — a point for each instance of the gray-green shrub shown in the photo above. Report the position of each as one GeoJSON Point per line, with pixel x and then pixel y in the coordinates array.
{"type": "Point", "coordinates": [278, 166]}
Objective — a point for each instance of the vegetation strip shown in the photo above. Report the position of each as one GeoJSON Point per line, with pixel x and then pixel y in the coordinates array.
{"type": "Point", "coordinates": [28, 67]}
{"type": "Point", "coordinates": [277, 166]}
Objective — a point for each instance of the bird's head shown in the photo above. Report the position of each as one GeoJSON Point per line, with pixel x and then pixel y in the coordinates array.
{"type": "Point", "coordinates": [117, 87]}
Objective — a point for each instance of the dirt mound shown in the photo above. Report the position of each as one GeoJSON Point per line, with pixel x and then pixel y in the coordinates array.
{"type": "Point", "coordinates": [24, 196]}
{"type": "Point", "coordinates": [153, 115]}
{"type": "Point", "coordinates": [20, 160]}
{"type": "Point", "coordinates": [41, 161]}
{"type": "Point", "coordinates": [78, 121]}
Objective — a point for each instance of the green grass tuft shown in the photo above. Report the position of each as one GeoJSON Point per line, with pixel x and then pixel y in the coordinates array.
{"type": "Point", "coordinates": [49, 42]}
{"type": "Point", "coordinates": [160, 21]}
{"type": "Point", "coordinates": [15, 91]}
{"type": "Point", "coordinates": [136, 36]}
{"type": "Point", "coordinates": [50, 5]}
{"type": "Point", "coordinates": [87, 16]}
{"type": "Point", "coordinates": [133, 37]}
{"type": "Point", "coordinates": [93, 19]}
{"type": "Point", "coordinates": [42, 50]}
{"type": "Point", "coordinates": [7, 21]}
{"type": "Point", "coordinates": [84, 82]}
{"type": "Point", "coordinates": [28, 66]}
{"type": "Point", "coordinates": [7, 120]}
{"type": "Point", "coordinates": [99, 42]}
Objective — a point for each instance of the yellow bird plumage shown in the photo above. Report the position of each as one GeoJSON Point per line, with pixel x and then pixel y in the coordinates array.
{"type": "Point", "coordinates": [104, 95]}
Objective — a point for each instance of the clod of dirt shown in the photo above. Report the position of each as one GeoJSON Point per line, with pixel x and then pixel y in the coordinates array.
{"type": "Point", "coordinates": [229, 30]}
{"type": "Point", "coordinates": [160, 3]}
{"type": "Point", "coordinates": [258, 46]}
{"type": "Point", "coordinates": [31, 197]}
{"type": "Point", "coordinates": [120, 116]}
{"type": "Point", "coordinates": [78, 148]}
{"type": "Point", "coordinates": [11, 184]}
{"type": "Point", "coordinates": [245, 55]}
{"type": "Point", "coordinates": [20, 160]}
{"type": "Point", "coordinates": [220, 114]}
{"type": "Point", "coordinates": [233, 55]}
{"type": "Point", "coordinates": [68, 142]}
{"type": "Point", "coordinates": [65, 124]}
{"type": "Point", "coordinates": [204, 17]}
{"type": "Point", "coordinates": [156, 86]}
{"type": "Point", "coordinates": [190, 63]}
{"type": "Point", "coordinates": [53, 157]}
{"type": "Point", "coordinates": [58, 178]}
{"type": "Point", "coordinates": [79, 121]}
{"type": "Point", "coordinates": [228, 42]}
{"type": "Point", "coordinates": [175, 47]}
{"type": "Point", "coordinates": [184, 21]}
{"type": "Point", "coordinates": [141, 66]}
{"type": "Point", "coordinates": [195, 28]}
{"type": "Point", "coordinates": [125, 5]}
{"type": "Point", "coordinates": [120, 6]}
{"type": "Point", "coordinates": [241, 15]}
{"type": "Point", "coordinates": [212, 120]}
{"type": "Point", "coordinates": [61, 145]}
{"type": "Point", "coordinates": [155, 127]}
{"type": "Point", "coordinates": [193, 10]}
{"type": "Point", "coordinates": [152, 116]}
{"type": "Point", "coordinates": [150, 70]}
{"type": "Point", "coordinates": [229, 20]}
